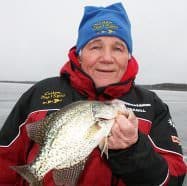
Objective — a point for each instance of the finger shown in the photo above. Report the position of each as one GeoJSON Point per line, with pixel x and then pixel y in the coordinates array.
{"type": "Point", "coordinates": [127, 128]}
{"type": "Point", "coordinates": [132, 118]}
{"type": "Point", "coordinates": [121, 118]}
{"type": "Point", "coordinates": [111, 142]}
{"type": "Point", "coordinates": [117, 133]}
{"type": "Point", "coordinates": [115, 130]}
{"type": "Point", "coordinates": [124, 113]}
{"type": "Point", "coordinates": [122, 122]}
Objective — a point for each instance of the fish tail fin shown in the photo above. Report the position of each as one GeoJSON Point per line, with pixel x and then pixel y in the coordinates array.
{"type": "Point", "coordinates": [25, 172]}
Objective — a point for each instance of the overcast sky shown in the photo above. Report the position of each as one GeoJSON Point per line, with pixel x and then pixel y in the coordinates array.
{"type": "Point", "coordinates": [35, 36]}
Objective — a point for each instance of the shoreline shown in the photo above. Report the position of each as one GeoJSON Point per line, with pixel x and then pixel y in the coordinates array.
{"type": "Point", "coordinates": [18, 82]}
{"type": "Point", "coordinates": [158, 86]}
{"type": "Point", "coordinates": [166, 86]}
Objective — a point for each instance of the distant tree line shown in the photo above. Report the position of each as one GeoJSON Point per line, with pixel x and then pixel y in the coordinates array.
{"type": "Point", "coordinates": [166, 86]}
{"type": "Point", "coordinates": [160, 86]}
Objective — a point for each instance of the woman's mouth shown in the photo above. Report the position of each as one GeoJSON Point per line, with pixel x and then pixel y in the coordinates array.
{"type": "Point", "coordinates": [104, 70]}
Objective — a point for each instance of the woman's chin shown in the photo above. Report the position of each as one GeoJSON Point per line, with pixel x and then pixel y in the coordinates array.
{"type": "Point", "coordinates": [103, 83]}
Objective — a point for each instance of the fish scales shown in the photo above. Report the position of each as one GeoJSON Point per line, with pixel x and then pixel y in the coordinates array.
{"type": "Point", "coordinates": [73, 133]}
{"type": "Point", "coordinates": [55, 148]}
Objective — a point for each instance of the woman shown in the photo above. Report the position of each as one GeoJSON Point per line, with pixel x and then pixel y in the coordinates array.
{"type": "Point", "coordinates": [142, 149]}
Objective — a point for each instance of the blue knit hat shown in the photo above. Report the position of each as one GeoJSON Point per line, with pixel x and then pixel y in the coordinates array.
{"type": "Point", "coordinates": [104, 21]}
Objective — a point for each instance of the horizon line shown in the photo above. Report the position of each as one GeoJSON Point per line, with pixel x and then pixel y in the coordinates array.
{"type": "Point", "coordinates": [155, 86]}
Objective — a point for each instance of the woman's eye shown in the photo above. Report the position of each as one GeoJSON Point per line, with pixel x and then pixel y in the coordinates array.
{"type": "Point", "coordinates": [118, 49]}
{"type": "Point", "coordinates": [95, 47]}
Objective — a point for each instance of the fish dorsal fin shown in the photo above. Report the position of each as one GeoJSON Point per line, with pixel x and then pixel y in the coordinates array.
{"type": "Point", "coordinates": [68, 176]}
{"type": "Point", "coordinates": [37, 130]}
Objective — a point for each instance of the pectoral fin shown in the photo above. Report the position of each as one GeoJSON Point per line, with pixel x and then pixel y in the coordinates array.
{"type": "Point", "coordinates": [104, 146]}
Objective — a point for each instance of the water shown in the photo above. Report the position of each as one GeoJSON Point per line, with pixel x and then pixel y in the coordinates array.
{"type": "Point", "coordinates": [9, 94]}
{"type": "Point", "coordinates": [176, 100]}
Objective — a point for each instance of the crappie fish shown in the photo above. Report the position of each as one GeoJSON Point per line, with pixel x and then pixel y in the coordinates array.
{"type": "Point", "coordinates": [66, 138]}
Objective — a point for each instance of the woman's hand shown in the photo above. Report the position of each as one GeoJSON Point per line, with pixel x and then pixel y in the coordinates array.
{"type": "Point", "coordinates": [124, 132]}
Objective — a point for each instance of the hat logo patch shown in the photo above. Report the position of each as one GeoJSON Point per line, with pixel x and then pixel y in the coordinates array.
{"type": "Point", "coordinates": [105, 26]}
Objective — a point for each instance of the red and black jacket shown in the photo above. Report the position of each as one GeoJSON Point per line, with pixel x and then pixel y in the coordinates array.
{"type": "Point", "coordinates": [156, 159]}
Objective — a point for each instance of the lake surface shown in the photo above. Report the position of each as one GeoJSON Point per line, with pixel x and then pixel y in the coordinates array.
{"type": "Point", "coordinates": [176, 100]}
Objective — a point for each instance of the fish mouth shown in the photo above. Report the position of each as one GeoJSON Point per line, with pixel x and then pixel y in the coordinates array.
{"type": "Point", "coordinates": [102, 119]}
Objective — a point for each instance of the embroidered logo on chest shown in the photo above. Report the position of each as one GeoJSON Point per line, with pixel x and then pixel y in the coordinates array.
{"type": "Point", "coordinates": [52, 97]}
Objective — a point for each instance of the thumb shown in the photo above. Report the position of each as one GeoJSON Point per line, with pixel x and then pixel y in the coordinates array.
{"type": "Point", "coordinates": [132, 118]}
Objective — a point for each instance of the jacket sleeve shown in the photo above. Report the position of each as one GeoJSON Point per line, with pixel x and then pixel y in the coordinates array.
{"type": "Point", "coordinates": [14, 142]}
{"type": "Point", "coordinates": [155, 159]}
{"type": "Point", "coordinates": [166, 142]}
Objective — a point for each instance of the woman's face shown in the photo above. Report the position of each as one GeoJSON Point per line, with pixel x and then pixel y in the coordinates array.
{"type": "Point", "coordinates": [105, 60]}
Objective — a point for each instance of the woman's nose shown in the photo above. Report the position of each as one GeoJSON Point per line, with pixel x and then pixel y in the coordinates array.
{"type": "Point", "coordinates": [107, 56]}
